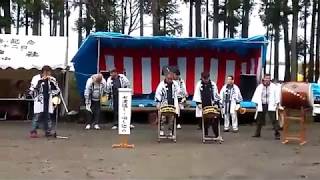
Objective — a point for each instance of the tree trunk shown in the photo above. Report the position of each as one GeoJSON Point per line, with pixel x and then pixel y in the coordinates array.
{"type": "Point", "coordinates": [276, 52]}
{"type": "Point", "coordinates": [272, 42]}
{"type": "Point", "coordinates": [61, 20]}
{"type": "Point", "coordinates": [285, 25]}
{"type": "Point", "coordinates": [55, 27]}
{"type": "Point", "coordinates": [35, 24]}
{"type": "Point", "coordinates": [122, 17]}
{"type": "Point", "coordinates": [141, 9]}
{"type": "Point", "coordinates": [164, 21]}
{"type": "Point", "coordinates": [198, 18]}
{"type": "Point", "coordinates": [304, 65]}
{"type": "Point", "coordinates": [7, 16]}
{"type": "Point", "coordinates": [207, 19]}
{"type": "Point", "coordinates": [215, 19]}
{"type": "Point", "coordinates": [190, 18]}
{"type": "Point", "coordinates": [80, 24]}
{"type": "Point", "coordinates": [245, 19]}
{"type": "Point", "coordinates": [27, 18]}
{"type": "Point", "coordinates": [265, 65]}
{"type": "Point", "coordinates": [40, 23]}
{"type": "Point", "coordinates": [50, 17]}
{"type": "Point", "coordinates": [125, 15]}
{"type": "Point", "coordinates": [225, 19]}
{"type": "Point", "coordinates": [18, 18]}
{"type": "Point", "coordinates": [36, 17]}
{"type": "Point", "coordinates": [294, 62]}
{"type": "Point", "coordinates": [311, 60]}
{"type": "Point", "coordinates": [155, 17]}
{"type": "Point", "coordinates": [230, 24]}
{"type": "Point", "coordinates": [87, 28]}
{"type": "Point", "coordinates": [317, 45]}
{"type": "Point", "coordinates": [67, 14]}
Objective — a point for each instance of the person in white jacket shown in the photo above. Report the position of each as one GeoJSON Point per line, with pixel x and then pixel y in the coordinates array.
{"type": "Point", "coordinates": [94, 90]}
{"type": "Point", "coordinates": [267, 98]}
{"type": "Point", "coordinates": [182, 95]}
{"type": "Point", "coordinates": [114, 82]}
{"type": "Point", "coordinates": [167, 94]}
{"type": "Point", "coordinates": [206, 94]}
{"type": "Point", "coordinates": [231, 97]}
{"type": "Point", "coordinates": [43, 88]}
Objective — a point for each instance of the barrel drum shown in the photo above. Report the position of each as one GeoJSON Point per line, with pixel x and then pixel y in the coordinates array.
{"type": "Point", "coordinates": [295, 95]}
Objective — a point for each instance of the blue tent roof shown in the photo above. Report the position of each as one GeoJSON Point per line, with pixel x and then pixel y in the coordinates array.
{"type": "Point", "coordinates": [85, 60]}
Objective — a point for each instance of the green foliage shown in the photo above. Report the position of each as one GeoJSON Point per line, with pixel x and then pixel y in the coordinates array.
{"type": "Point", "coordinates": [168, 9]}
{"type": "Point", "coordinates": [230, 13]}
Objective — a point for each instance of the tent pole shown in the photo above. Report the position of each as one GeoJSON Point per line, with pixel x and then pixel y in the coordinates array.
{"type": "Point", "coordinates": [66, 78]}
{"type": "Point", "coordinates": [98, 56]}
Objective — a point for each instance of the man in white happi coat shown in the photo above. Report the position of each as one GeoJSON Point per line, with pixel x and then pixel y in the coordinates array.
{"type": "Point", "coordinates": [182, 95]}
{"type": "Point", "coordinates": [43, 88]}
{"type": "Point", "coordinates": [206, 94]}
{"type": "Point", "coordinates": [114, 82]}
{"type": "Point", "coordinates": [231, 97]}
{"type": "Point", "coordinates": [267, 98]}
{"type": "Point", "coordinates": [167, 94]}
{"type": "Point", "coordinates": [94, 90]}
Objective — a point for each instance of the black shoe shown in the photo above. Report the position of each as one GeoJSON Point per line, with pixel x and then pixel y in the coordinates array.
{"type": "Point", "coordinates": [256, 136]}
{"type": "Point", "coordinates": [48, 134]}
{"type": "Point", "coordinates": [277, 136]}
{"type": "Point", "coordinates": [226, 130]}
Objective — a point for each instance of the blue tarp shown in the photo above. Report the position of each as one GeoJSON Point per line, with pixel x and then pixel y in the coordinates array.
{"type": "Point", "coordinates": [85, 60]}
{"type": "Point", "coordinates": [316, 91]}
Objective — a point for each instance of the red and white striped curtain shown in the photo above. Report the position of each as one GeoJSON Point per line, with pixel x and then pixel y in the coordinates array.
{"type": "Point", "coordinates": [143, 66]}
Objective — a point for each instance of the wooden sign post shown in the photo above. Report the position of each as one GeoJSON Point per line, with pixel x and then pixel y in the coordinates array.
{"type": "Point", "coordinates": [124, 118]}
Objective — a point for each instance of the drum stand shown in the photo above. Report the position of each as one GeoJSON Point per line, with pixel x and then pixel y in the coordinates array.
{"type": "Point", "coordinates": [211, 139]}
{"type": "Point", "coordinates": [173, 137]}
{"type": "Point", "coordinates": [301, 136]}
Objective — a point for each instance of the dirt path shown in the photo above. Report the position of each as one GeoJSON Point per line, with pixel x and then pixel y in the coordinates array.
{"type": "Point", "coordinates": [88, 155]}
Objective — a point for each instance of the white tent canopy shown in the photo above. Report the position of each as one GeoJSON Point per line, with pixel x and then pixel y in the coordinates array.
{"type": "Point", "coordinates": [30, 52]}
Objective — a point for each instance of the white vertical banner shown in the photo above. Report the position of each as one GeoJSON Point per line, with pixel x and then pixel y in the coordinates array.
{"type": "Point", "coordinates": [214, 64]}
{"type": "Point", "coordinates": [146, 75]}
{"type": "Point", "coordinates": [125, 97]}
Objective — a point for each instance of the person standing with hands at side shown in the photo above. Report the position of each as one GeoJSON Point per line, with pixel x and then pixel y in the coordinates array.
{"type": "Point", "coordinates": [231, 97]}
{"type": "Point", "coordinates": [267, 98]}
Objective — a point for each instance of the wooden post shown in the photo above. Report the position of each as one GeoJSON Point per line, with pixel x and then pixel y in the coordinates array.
{"type": "Point", "coordinates": [123, 143]}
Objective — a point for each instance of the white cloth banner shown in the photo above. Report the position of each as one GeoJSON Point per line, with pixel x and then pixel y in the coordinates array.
{"type": "Point", "coordinates": [32, 51]}
{"type": "Point", "coordinates": [125, 97]}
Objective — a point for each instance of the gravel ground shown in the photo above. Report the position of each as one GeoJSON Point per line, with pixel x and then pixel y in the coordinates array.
{"type": "Point", "coordinates": [88, 155]}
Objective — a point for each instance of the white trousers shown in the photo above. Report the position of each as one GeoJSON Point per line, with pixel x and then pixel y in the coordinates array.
{"type": "Point", "coordinates": [234, 119]}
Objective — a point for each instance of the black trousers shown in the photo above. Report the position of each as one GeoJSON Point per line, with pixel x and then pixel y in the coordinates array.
{"type": "Point", "coordinates": [115, 104]}
{"type": "Point", "coordinates": [261, 119]}
{"type": "Point", "coordinates": [214, 122]}
{"type": "Point", "coordinates": [199, 120]}
{"type": "Point", "coordinates": [94, 117]}
{"type": "Point", "coordinates": [179, 119]}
